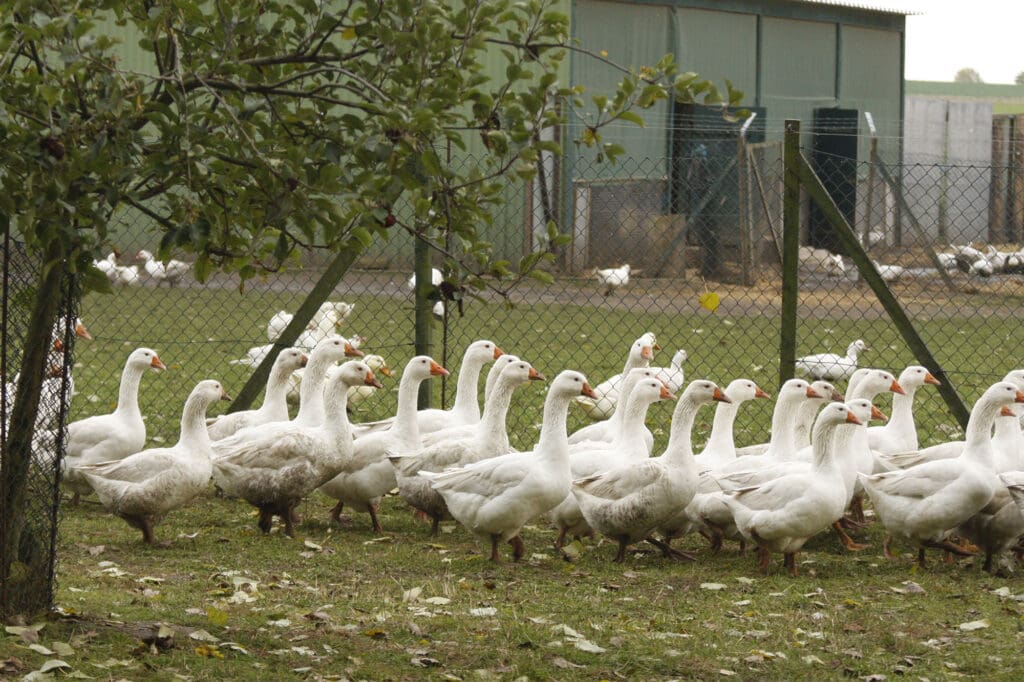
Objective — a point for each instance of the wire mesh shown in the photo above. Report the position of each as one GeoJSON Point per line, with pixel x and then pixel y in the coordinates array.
{"type": "Point", "coordinates": [30, 548]}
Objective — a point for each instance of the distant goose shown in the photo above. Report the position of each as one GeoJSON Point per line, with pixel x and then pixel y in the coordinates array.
{"type": "Point", "coordinates": [612, 278]}
{"type": "Point", "coordinates": [832, 366]}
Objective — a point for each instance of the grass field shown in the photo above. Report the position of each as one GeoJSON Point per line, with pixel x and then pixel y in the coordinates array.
{"type": "Point", "coordinates": [340, 603]}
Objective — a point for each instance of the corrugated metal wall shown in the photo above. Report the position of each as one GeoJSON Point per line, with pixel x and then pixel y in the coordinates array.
{"type": "Point", "coordinates": [798, 68]}
{"type": "Point", "coordinates": [719, 46]}
{"type": "Point", "coordinates": [870, 80]}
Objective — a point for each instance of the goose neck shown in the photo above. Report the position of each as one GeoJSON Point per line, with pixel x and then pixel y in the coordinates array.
{"type": "Point", "coordinates": [554, 438]}
{"type": "Point", "coordinates": [276, 395]}
{"type": "Point", "coordinates": [406, 425]}
{"type": "Point", "coordinates": [633, 419]}
{"type": "Point", "coordinates": [722, 439]}
{"type": "Point", "coordinates": [493, 422]}
{"type": "Point", "coordinates": [828, 440]}
{"type": "Point", "coordinates": [128, 391]}
{"type": "Point", "coordinates": [466, 390]}
{"type": "Point", "coordinates": [902, 416]}
{"type": "Point", "coordinates": [680, 442]}
{"type": "Point", "coordinates": [781, 440]}
{"type": "Point", "coordinates": [336, 422]}
{"type": "Point", "coordinates": [193, 423]}
{"type": "Point", "coordinates": [311, 392]}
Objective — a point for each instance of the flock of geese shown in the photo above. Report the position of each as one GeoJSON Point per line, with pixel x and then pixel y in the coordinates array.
{"type": "Point", "coordinates": [814, 473]}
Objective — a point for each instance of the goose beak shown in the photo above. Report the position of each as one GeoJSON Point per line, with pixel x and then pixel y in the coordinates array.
{"type": "Point", "coordinates": [54, 371]}
{"type": "Point", "coordinates": [156, 364]}
{"type": "Point", "coordinates": [878, 414]}
{"type": "Point", "coordinates": [896, 388]}
{"type": "Point", "coordinates": [1007, 411]}
{"type": "Point", "coordinates": [721, 397]}
{"type": "Point", "coordinates": [58, 344]}
{"type": "Point", "coordinates": [837, 396]}
{"type": "Point", "coordinates": [761, 393]}
{"type": "Point", "coordinates": [81, 332]}
{"type": "Point", "coordinates": [851, 418]}
{"type": "Point", "coordinates": [437, 370]}
{"type": "Point", "coordinates": [536, 376]}
{"type": "Point", "coordinates": [657, 346]}
{"type": "Point", "coordinates": [588, 391]}
{"type": "Point", "coordinates": [303, 360]}
{"type": "Point", "coordinates": [498, 352]}
{"type": "Point", "coordinates": [647, 353]}
{"type": "Point", "coordinates": [385, 370]}
{"type": "Point", "coordinates": [665, 393]}
{"type": "Point", "coordinates": [371, 380]}
{"type": "Point", "coordinates": [929, 379]}
{"type": "Point", "coordinates": [224, 394]}
{"type": "Point", "coordinates": [1019, 398]}
{"type": "Point", "coordinates": [811, 393]}
{"type": "Point", "coordinates": [351, 351]}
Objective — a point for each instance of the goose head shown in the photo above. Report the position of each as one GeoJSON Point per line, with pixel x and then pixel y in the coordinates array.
{"type": "Point", "coordinates": [642, 350]}
{"type": "Point", "coordinates": [648, 391]}
{"type": "Point", "coordinates": [828, 391]}
{"type": "Point", "coordinates": [650, 339]}
{"type": "Point", "coordinates": [865, 411]}
{"type": "Point", "coordinates": [856, 348]}
{"type": "Point", "coordinates": [377, 364]}
{"type": "Point", "coordinates": [1002, 393]}
{"type": "Point", "coordinates": [570, 383]}
{"type": "Point", "coordinates": [796, 391]}
{"type": "Point", "coordinates": [209, 391]}
{"type": "Point", "coordinates": [1015, 377]}
{"type": "Point", "coordinates": [679, 358]}
{"type": "Point", "coordinates": [742, 390]}
{"type": "Point", "coordinates": [916, 376]}
{"type": "Point", "coordinates": [877, 381]}
{"type": "Point", "coordinates": [483, 351]}
{"type": "Point", "coordinates": [423, 367]}
{"type": "Point", "coordinates": [836, 414]}
{"type": "Point", "coordinates": [702, 392]}
{"type": "Point", "coordinates": [145, 358]}
{"type": "Point", "coordinates": [291, 359]}
{"type": "Point", "coordinates": [333, 349]}
{"type": "Point", "coordinates": [352, 373]}
{"type": "Point", "coordinates": [520, 372]}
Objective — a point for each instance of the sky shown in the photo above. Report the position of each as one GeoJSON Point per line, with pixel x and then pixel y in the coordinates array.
{"type": "Point", "coordinates": [949, 35]}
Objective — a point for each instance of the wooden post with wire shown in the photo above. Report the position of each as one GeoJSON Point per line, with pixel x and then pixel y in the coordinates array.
{"type": "Point", "coordinates": [790, 249]}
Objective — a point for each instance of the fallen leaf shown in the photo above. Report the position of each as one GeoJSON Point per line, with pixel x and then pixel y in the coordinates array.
{"type": "Point", "coordinates": [27, 633]}
{"type": "Point", "coordinates": [202, 636]}
{"type": "Point", "coordinates": [280, 623]}
{"type": "Point", "coordinates": [318, 616]}
{"type": "Point", "coordinates": [375, 633]}
{"type": "Point", "coordinates": [484, 611]}
{"type": "Point", "coordinates": [53, 664]}
{"type": "Point", "coordinates": [40, 649]}
{"type": "Point", "coordinates": [217, 617]}
{"type": "Point", "coordinates": [588, 646]}
{"type": "Point", "coordinates": [62, 648]}
{"type": "Point", "coordinates": [709, 301]}
{"type": "Point", "coordinates": [712, 586]}
{"type": "Point", "coordinates": [412, 594]}
{"type": "Point", "coordinates": [560, 662]}
{"type": "Point", "coordinates": [208, 651]}
{"type": "Point", "coordinates": [437, 601]}
{"type": "Point", "coordinates": [425, 662]}
{"type": "Point", "coordinates": [975, 625]}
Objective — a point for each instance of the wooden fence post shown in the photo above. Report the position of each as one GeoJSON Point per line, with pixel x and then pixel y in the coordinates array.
{"type": "Point", "coordinates": [790, 249]}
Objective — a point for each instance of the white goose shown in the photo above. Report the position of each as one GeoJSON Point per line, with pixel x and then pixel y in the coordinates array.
{"type": "Point", "coordinates": [469, 430]}
{"type": "Point", "coordinates": [489, 438]}
{"type": "Point", "coordinates": [356, 394]}
{"type": "Point", "coordinates": [113, 436]}
{"type": "Point", "coordinates": [784, 513]}
{"type": "Point", "coordinates": [628, 502]}
{"type": "Point", "coordinates": [365, 476]}
{"type": "Point", "coordinates": [282, 319]}
{"type": "Point", "coordinates": [592, 457]}
{"type": "Point", "coordinates": [496, 497]}
{"type": "Point", "coordinates": [673, 375]}
{"type": "Point", "coordinates": [612, 278]}
{"type": "Point", "coordinates": [900, 434]}
{"type": "Point", "coordinates": [275, 465]}
{"type": "Point", "coordinates": [721, 446]}
{"type": "Point", "coordinates": [171, 272]}
{"type": "Point", "coordinates": [607, 404]}
{"type": "Point", "coordinates": [275, 405]}
{"type": "Point", "coordinates": [924, 503]}
{"type": "Point", "coordinates": [143, 487]}
{"type": "Point", "coordinates": [808, 411]}
{"type": "Point", "coordinates": [832, 366]}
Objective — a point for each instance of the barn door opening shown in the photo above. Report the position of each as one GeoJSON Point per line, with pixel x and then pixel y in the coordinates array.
{"type": "Point", "coordinates": [834, 159]}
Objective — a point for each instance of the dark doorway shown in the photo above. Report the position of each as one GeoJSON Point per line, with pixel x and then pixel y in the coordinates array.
{"type": "Point", "coordinates": [835, 161]}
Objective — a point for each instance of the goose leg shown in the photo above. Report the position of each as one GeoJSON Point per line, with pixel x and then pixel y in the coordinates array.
{"type": "Point", "coordinates": [789, 561]}
{"type": "Point", "coordinates": [847, 541]}
{"type": "Point", "coordinates": [266, 521]}
{"type": "Point", "coordinates": [372, 509]}
{"type": "Point", "coordinates": [886, 548]}
{"type": "Point", "coordinates": [743, 546]}
{"type": "Point", "coordinates": [336, 515]}
{"type": "Point", "coordinates": [518, 548]}
{"type": "Point", "coordinates": [76, 499]}
{"type": "Point", "coordinates": [987, 567]}
{"type": "Point", "coordinates": [560, 542]}
{"type": "Point", "coordinates": [953, 548]}
{"type": "Point", "coordinates": [287, 518]}
{"type": "Point", "coordinates": [670, 552]}
{"type": "Point", "coordinates": [435, 526]}
{"type": "Point", "coordinates": [621, 556]}
{"type": "Point", "coordinates": [763, 556]}
{"type": "Point", "coordinates": [921, 562]}
{"type": "Point", "coordinates": [146, 524]}
{"type": "Point", "coordinates": [716, 540]}
{"type": "Point", "coordinates": [857, 509]}
{"type": "Point", "coordinates": [494, 550]}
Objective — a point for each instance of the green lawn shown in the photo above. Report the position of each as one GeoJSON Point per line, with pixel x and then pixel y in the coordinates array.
{"type": "Point", "coordinates": [339, 603]}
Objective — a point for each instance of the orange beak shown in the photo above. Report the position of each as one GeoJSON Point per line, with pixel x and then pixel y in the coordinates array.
{"type": "Point", "coordinates": [156, 364]}
{"type": "Point", "coordinates": [588, 391]}
{"type": "Point", "coordinates": [536, 376]}
{"type": "Point", "coordinates": [1007, 411]}
{"type": "Point", "coordinates": [385, 370]}
{"type": "Point", "coordinates": [851, 418]}
{"type": "Point", "coordinates": [58, 344]}
{"type": "Point", "coordinates": [811, 393]}
{"type": "Point", "coordinates": [498, 352]}
{"type": "Point", "coordinates": [54, 371]}
{"type": "Point", "coordinates": [929, 379]}
{"type": "Point", "coordinates": [437, 370]}
{"type": "Point", "coordinates": [303, 360]}
{"type": "Point", "coordinates": [1019, 398]}
{"type": "Point", "coordinates": [837, 396]}
{"type": "Point", "coordinates": [721, 397]}
{"type": "Point", "coordinates": [665, 393]}
{"type": "Point", "coordinates": [896, 388]}
{"type": "Point", "coordinates": [224, 394]}
{"type": "Point", "coordinates": [81, 332]}
{"type": "Point", "coordinates": [759, 393]}
{"type": "Point", "coordinates": [371, 380]}
{"type": "Point", "coordinates": [351, 352]}
{"type": "Point", "coordinates": [647, 353]}
{"type": "Point", "coordinates": [878, 414]}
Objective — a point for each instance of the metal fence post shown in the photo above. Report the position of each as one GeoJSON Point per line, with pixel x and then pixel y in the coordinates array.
{"type": "Point", "coordinates": [790, 250]}
{"type": "Point", "coordinates": [424, 322]}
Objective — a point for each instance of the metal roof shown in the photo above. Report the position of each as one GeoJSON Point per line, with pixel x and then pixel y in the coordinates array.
{"type": "Point", "coordinates": [884, 7]}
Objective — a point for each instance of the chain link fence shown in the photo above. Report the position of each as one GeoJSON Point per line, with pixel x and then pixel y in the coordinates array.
{"type": "Point", "coordinates": [702, 236]}
{"type": "Point", "coordinates": [28, 521]}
